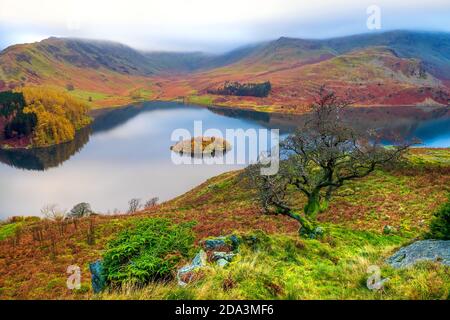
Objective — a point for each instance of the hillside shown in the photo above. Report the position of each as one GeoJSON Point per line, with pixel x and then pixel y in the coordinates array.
{"type": "Point", "coordinates": [34, 253]}
{"type": "Point", "coordinates": [392, 68]}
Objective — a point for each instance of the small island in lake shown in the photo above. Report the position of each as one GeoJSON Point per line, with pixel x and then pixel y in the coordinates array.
{"type": "Point", "coordinates": [202, 146]}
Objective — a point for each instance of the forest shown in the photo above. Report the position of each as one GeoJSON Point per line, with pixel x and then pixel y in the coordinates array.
{"type": "Point", "coordinates": [243, 89]}
{"type": "Point", "coordinates": [49, 116]}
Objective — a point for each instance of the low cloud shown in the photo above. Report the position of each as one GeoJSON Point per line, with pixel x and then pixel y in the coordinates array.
{"type": "Point", "coordinates": [207, 25]}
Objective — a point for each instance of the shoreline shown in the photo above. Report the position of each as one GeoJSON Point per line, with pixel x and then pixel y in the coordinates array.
{"type": "Point", "coordinates": [96, 112]}
{"type": "Point", "coordinates": [99, 110]}
{"type": "Point", "coordinates": [416, 151]}
{"type": "Point", "coordinates": [30, 147]}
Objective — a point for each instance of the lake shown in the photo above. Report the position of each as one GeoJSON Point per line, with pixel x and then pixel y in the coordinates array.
{"type": "Point", "coordinates": [126, 153]}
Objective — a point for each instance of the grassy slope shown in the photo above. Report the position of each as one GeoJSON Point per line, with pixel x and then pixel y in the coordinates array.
{"type": "Point", "coordinates": [39, 64]}
{"type": "Point", "coordinates": [373, 76]}
{"type": "Point", "coordinates": [386, 69]}
{"type": "Point", "coordinates": [283, 267]}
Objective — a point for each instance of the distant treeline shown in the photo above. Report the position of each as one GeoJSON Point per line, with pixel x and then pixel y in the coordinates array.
{"type": "Point", "coordinates": [243, 89]}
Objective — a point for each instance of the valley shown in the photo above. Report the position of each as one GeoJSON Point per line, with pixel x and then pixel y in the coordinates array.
{"type": "Point", "coordinates": [94, 179]}
{"type": "Point", "coordinates": [386, 69]}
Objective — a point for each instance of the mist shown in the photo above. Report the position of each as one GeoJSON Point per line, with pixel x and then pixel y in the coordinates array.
{"type": "Point", "coordinates": [210, 26]}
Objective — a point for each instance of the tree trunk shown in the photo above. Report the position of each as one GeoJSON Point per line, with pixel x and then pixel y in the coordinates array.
{"type": "Point", "coordinates": [306, 226]}
{"type": "Point", "coordinates": [313, 205]}
{"type": "Point", "coordinates": [326, 201]}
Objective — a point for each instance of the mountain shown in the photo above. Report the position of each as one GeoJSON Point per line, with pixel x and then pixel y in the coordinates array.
{"type": "Point", "coordinates": [391, 68]}
{"type": "Point", "coordinates": [50, 57]}
{"type": "Point", "coordinates": [165, 62]}
{"type": "Point", "coordinates": [432, 48]}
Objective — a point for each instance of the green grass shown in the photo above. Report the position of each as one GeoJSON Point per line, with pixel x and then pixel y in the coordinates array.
{"type": "Point", "coordinates": [282, 265]}
{"type": "Point", "coordinates": [148, 250]}
{"type": "Point", "coordinates": [9, 229]}
{"type": "Point", "coordinates": [84, 95]}
{"type": "Point", "coordinates": [287, 267]}
{"type": "Point", "coordinates": [429, 157]}
{"type": "Point", "coordinates": [15, 224]}
{"type": "Point", "coordinates": [264, 108]}
{"type": "Point", "coordinates": [202, 100]}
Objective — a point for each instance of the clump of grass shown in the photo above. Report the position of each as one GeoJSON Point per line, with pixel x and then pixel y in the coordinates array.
{"type": "Point", "coordinates": [440, 224]}
{"type": "Point", "coordinates": [148, 251]}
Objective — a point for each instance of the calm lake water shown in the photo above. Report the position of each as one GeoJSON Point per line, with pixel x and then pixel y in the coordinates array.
{"type": "Point", "coordinates": [125, 154]}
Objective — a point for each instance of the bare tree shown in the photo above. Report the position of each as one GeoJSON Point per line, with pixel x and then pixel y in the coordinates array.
{"type": "Point", "coordinates": [151, 203]}
{"type": "Point", "coordinates": [134, 205]}
{"type": "Point", "coordinates": [318, 159]}
{"type": "Point", "coordinates": [53, 212]}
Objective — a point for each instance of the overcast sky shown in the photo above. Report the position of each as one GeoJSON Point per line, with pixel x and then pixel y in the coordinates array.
{"type": "Point", "coordinates": [208, 25]}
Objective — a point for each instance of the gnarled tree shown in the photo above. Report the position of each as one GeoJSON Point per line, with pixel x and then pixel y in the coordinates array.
{"type": "Point", "coordinates": [318, 158]}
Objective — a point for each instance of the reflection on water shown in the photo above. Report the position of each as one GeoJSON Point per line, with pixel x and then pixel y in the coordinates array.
{"type": "Point", "coordinates": [44, 158]}
{"type": "Point", "coordinates": [430, 124]}
{"type": "Point", "coordinates": [126, 153]}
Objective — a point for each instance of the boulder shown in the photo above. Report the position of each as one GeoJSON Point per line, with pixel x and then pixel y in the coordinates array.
{"type": "Point", "coordinates": [424, 250]}
{"type": "Point", "coordinates": [189, 273]}
{"type": "Point", "coordinates": [235, 241]}
{"type": "Point", "coordinates": [199, 260]}
{"type": "Point", "coordinates": [316, 233]}
{"type": "Point", "coordinates": [215, 243]}
{"type": "Point", "coordinates": [222, 262]}
{"type": "Point", "coordinates": [98, 279]}
{"type": "Point", "coordinates": [218, 255]}
{"type": "Point", "coordinates": [221, 250]}
{"type": "Point", "coordinates": [229, 243]}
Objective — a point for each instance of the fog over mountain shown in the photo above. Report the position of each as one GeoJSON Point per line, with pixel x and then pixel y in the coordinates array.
{"type": "Point", "coordinates": [211, 26]}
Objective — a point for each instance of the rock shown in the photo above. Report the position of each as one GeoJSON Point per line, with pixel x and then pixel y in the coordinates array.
{"type": "Point", "coordinates": [97, 278]}
{"type": "Point", "coordinates": [189, 273]}
{"type": "Point", "coordinates": [211, 244]}
{"type": "Point", "coordinates": [217, 244]}
{"type": "Point", "coordinates": [217, 255]}
{"type": "Point", "coordinates": [235, 241]}
{"type": "Point", "coordinates": [200, 259]}
{"type": "Point", "coordinates": [222, 262]}
{"type": "Point", "coordinates": [389, 229]}
{"type": "Point", "coordinates": [424, 250]}
{"type": "Point", "coordinates": [222, 243]}
{"type": "Point", "coordinates": [316, 233]}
